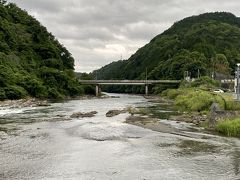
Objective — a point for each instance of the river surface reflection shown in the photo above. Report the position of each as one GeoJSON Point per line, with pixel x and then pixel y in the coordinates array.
{"type": "Point", "coordinates": [45, 143]}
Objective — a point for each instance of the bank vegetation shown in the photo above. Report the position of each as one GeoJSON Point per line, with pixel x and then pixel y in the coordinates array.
{"type": "Point", "coordinates": [198, 97]}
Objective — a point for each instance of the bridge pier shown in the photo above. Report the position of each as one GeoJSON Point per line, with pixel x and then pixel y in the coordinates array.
{"type": "Point", "coordinates": [146, 89]}
{"type": "Point", "coordinates": [97, 89]}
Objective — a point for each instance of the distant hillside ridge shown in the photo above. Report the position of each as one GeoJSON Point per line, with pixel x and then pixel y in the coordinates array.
{"type": "Point", "coordinates": [205, 44]}
{"type": "Point", "coordinates": [32, 61]}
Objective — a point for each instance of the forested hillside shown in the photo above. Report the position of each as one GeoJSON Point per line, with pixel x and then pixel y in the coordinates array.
{"type": "Point", "coordinates": [110, 71]}
{"type": "Point", "coordinates": [207, 43]}
{"type": "Point", "coordinates": [32, 62]}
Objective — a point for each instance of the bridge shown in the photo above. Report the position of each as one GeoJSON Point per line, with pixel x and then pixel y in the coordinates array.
{"type": "Point", "coordinates": [127, 82]}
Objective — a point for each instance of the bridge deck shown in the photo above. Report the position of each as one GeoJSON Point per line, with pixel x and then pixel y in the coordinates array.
{"type": "Point", "coordinates": [129, 82]}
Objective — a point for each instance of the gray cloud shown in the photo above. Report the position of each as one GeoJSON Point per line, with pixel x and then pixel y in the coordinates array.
{"type": "Point", "coordinates": [98, 32]}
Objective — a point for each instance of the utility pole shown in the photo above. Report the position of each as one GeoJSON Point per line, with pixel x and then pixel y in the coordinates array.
{"type": "Point", "coordinates": [146, 74]}
{"type": "Point", "coordinates": [238, 88]}
{"type": "Point", "coordinates": [146, 85]}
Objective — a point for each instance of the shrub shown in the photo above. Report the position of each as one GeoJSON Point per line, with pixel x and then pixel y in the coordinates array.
{"type": "Point", "coordinates": [88, 89]}
{"type": "Point", "coordinates": [54, 94]}
{"type": "Point", "coordinates": [33, 86]}
{"type": "Point", "coordinates": [6, 76]}
{"type": "Point", "coordinates": [2, 94]}
{"type": "Point", "coordinates": [15, 92]}
{"type": "Point", "coordinates": [197, 100]}
{"type": "Point", "coordinates": [157, 89]}
{"type": "Point", "coordinates": [229, 127]}
{"type": "Point", "coordinates": [205, 81]}
{"type": "Point", "coordinates": [190, 99]}
{"type": "Point", "coordinates": [53, 63]}
{"type": "Point", "coordinates": [75, 90]}
{"type": "Point", "coordinates": [172, 93]}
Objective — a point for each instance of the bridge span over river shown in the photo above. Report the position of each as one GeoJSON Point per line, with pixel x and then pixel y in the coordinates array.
{"type": "Point", "coordinates": [146, 83]}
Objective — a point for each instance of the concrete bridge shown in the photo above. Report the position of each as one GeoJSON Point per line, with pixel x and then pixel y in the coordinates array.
{"type": "Point", "coordinates": [127, 82]}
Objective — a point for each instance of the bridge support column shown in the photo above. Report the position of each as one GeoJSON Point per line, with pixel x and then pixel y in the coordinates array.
{"type": "Point", "coordinates": [146, 89]}
{"type": "Point", "coordinates": [97, 89]}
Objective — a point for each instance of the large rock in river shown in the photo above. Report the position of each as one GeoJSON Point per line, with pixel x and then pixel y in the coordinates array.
{"type": "Point", "coordinates": [82, 115]}
{"type": "Point", "coordinates": [112, 113]}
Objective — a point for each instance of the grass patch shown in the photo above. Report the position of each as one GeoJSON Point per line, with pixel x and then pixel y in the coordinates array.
{"type": "Point", "coordinates": [195, 99]}
{"type": "Point", "coordinates": [233, 105]}
{"type": "Point", "coordinates": [191, 99]}
{"type": "Point", "coordinates": [143, 111]}
{"type": "Point", "coordinates": [197, 96]}
{"type": "Point", "coordinates": [173, 93]}
{"type": "Point", "coordinates": [229, 127]}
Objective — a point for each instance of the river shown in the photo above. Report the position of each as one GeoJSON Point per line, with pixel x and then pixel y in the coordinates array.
{"type": "Point", "coordinates": [45, 143]}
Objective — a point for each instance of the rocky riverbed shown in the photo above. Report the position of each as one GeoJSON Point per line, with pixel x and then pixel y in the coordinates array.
{"type": "Point", "coordinates": [28, 102]}
{"type": "Point", "coordinates": [43, 142]}
{"type": "Point", "coordinates": [196, 118]}
{"type": "Point", "coordinates": [35, 102]}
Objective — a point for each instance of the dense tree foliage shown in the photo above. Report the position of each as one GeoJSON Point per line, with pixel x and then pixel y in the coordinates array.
{"type": "Point", "coordinates": [32, 61]}
{"type": "Point", "coordinates": [110, 71]}
{"type": "Point", "coordinates": [206, 43]}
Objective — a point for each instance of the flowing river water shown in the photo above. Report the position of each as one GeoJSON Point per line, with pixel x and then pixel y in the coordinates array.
{"type": "Point", "coordinates": [45, 143]}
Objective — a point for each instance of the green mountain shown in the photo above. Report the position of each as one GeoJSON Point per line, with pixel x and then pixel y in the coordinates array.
{"type": "Point", "coordinates": [199, 44]}
{"type": "Point", "coordinates": [32, 62]}
{"type": "Point", "coordinates": [111, 71]}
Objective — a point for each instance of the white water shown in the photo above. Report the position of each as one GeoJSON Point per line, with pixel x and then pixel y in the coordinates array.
{"type": "Point", "coordinates": [107, 148]}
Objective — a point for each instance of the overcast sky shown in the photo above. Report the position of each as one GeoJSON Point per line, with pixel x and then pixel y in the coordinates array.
{"type": "Point", "coordinates": [97, 32]}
